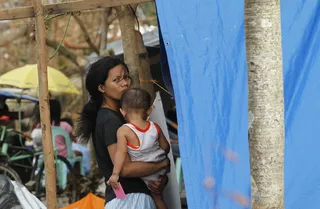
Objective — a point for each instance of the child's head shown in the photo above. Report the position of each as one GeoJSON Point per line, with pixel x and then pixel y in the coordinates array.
{"type": "Point", "coordinates": [135, 101]}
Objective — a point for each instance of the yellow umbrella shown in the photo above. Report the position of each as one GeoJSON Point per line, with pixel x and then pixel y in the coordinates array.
{"type": "Point", "coordinates": [26, 77]}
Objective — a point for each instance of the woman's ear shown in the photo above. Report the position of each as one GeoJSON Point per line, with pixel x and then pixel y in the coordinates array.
{"type": "Point", "coordinates": [101, 88]}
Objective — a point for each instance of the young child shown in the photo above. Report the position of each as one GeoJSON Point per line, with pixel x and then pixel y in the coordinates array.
{"type": "Point", "coordinates": [143, 140]}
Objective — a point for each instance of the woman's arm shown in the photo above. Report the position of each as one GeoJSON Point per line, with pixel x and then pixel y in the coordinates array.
{"type": "Point", "coordinates": [137, 169]}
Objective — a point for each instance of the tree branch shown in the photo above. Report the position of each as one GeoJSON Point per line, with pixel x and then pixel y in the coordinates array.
{"type": "Point", "coordinates": [63, 51]}
{"type": "Point", "coordinates": [112, 15]}
{"type": "Point", "coordinates": [77, 46]}
{"type": "Point", "coordinates": [86, 35]}
{"type": "Point", "coordinates": [64, 35]}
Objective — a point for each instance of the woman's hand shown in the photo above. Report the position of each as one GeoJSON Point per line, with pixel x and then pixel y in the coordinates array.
{"type": "Point", "coordinates": [157, 187]}
{"type": "Point", "coordinates": [166, 164]}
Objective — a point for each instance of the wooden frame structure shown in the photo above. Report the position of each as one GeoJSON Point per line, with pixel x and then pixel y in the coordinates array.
{"type": "Point", "coordinates": [60, 8]}
{"type": "Point", "coordinates": [39, 11]}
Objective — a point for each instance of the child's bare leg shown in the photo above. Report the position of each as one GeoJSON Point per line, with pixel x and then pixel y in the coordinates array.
{"type": "Point", "coordinates": [158, 200]}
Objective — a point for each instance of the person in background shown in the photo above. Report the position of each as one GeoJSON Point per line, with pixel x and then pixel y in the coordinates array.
{"type": "Point", "coordinates": [3, 106]}
{"type": "Point", "coordinates": [36, 134]}
{"type": "Point", "coordinates": [77, 148]}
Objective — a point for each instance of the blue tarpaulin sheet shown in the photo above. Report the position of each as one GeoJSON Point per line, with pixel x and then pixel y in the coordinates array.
{"type": "Point", "coordinates": [204, 42]}
{"type": "Point", "coordinates": [301, 59]}
{"type": "Point", "coordinates": [205, 48]}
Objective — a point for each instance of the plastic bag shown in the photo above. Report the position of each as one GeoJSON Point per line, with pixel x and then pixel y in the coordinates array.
{"type": "Point", "coordinates": [8, 198]}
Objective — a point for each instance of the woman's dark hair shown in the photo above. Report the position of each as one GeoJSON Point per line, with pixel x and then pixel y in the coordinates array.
{"type": "Point", "coordinates": [135, 98]}
{"type": "Point", "coordinates": [97, 75]}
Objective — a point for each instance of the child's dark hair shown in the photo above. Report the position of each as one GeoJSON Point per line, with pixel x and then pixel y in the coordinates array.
{"type": "Point", "coordinates": [97, 75]}
{"type": "Point", "coordinates": [135, 98]}
{"type": "Point", "coordinates": [55, 111]}
{"type": "Point", "coordinates": [67, 120]}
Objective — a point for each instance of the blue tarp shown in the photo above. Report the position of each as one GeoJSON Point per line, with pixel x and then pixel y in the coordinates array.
{"type": "Point", "coordinates": [205, 48]}
{"type": "Point", "coordinates": [165, 70]}
{"type": "Point", "coordinates": [301, 64]}
{"type": "Point", "coordinates": [204, 42]}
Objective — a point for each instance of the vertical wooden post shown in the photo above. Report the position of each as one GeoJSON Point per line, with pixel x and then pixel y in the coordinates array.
{"type": "Point", "coordinates": [44, 106]}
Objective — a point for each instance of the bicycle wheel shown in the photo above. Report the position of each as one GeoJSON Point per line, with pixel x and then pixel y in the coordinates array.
{"type": "Point", "coordinates": [72, 185]}
{"type": "Point", "coordinates": [8, 171]}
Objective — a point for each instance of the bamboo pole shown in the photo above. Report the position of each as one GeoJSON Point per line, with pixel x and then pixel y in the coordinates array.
{"type": "Point", "coordinates": [44, 106]}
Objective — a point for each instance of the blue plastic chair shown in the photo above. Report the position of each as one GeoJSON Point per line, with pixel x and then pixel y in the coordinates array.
{"type": "Point", "coordinates": [72, 158]}
{"type": "Point", "coordinates": [61, 168]}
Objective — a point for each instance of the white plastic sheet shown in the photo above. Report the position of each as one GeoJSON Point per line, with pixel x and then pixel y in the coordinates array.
{"type": "Point", "coordinates": [26, 199]}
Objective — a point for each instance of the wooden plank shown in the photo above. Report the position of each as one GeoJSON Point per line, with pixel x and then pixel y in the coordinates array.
{"type": "Point", "coordinates": [60, 8]}
{"type": "Point", "coordinates": [16, 13]}
{"type": "Point", "coordinates": [45, 107]}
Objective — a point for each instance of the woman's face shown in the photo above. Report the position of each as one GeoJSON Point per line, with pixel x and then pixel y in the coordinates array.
{"type": "Point", "coordinates": [117, 82]}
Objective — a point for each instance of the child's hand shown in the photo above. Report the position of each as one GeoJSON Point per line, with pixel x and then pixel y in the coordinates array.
{"type": "Point", "coordinates": [113, 181]}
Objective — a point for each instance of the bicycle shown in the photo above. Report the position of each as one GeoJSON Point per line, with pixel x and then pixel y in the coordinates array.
{"type": "Point", "coordinates": [10, 159]}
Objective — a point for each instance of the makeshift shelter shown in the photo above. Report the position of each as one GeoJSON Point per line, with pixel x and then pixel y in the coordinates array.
{"type": "Point", "coordinates": [39, 11]}
{"type": "Point", "coordinates": [204, 42]}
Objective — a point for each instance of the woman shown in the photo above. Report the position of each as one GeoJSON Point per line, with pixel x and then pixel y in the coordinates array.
{"type": "Point", "coordinates": [107, 79]}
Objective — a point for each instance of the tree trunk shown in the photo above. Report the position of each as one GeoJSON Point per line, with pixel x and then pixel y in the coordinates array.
{"type": "Point", "coordinates": [104, 14]}
{"type": "Point", "coordinates": [144, 70]}
{"type": "Point", "coordinates": [266, 101]}
{"type": "Point", "coordinates": [135, 53]}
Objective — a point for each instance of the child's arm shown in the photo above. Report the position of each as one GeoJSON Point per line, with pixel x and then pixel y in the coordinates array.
{"type": "Point", "coordinates": [163, 142]}
{"type": "Point", "coordinates": [120, 157]}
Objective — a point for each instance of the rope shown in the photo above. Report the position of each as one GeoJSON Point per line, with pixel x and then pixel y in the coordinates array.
{"type": "Point", "coordinates": [156, 83]}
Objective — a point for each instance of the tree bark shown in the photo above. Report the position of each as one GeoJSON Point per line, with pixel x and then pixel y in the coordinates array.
{"type": "Point", "coordinates": [104, 29]}
{"type": "Point", "coordinates": [127, 24]}
{"type": "Point", "coordinates": [266, 101]}
{"type": "Point", "coordinates": [135, 53]}
{"type": "Point", "coordinates": [144, 71]}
